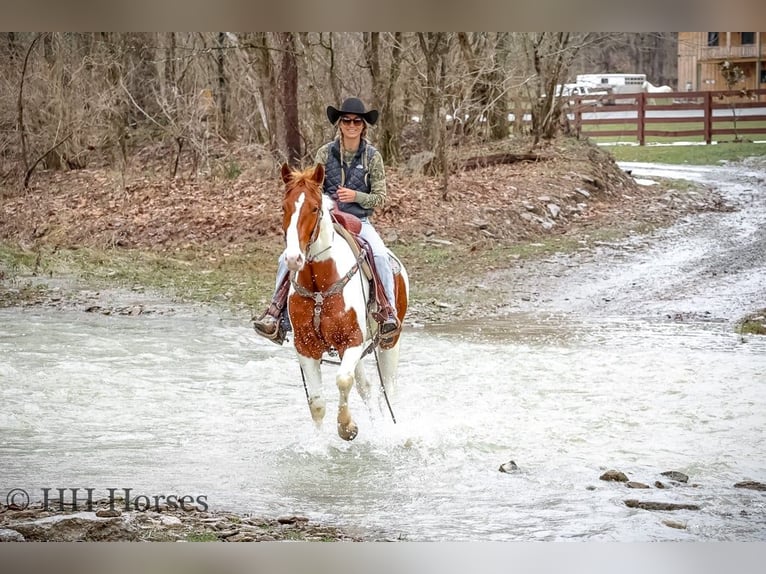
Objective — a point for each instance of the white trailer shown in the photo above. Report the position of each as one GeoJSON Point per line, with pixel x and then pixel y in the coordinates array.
{"type": "Point", "coordinates": [616, 83]}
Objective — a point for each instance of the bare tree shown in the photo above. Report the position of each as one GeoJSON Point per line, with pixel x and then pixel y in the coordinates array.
{"type": "Point", "coordinates": [732, 75]}
{"type": "Point", "coordinates": [549, 56]}
{"type": "Point", "coordinates": [223, 90]}
{"type": "Point", "coordinates": [20, 103]}
{"type": "Point", "coordinates": [288, 81]}
{"type": "Point", "coordinates": [435, 46]}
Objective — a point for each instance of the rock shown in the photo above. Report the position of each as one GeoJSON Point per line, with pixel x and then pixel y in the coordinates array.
{"type": "Point", "coordinates": [651, 505]}
{"type": "Point", "coordinates": [554, 210]}
{"type": "Point", "coordinates": [435, 241]}
{"type": "Point", "coordinates": [108, 513]}
{"type": "Point", "coordinates": [82, 526]}
{"type": "Point", "coordinates": [614, 475]}
{"type": "Point", "coordinates": [674, 524]}
{"type": "Point", "coordinates": [658, 484]}
{"type": "Point", "coordinates": [582, 192]}
{"type": "Point", "coordinates": [675, 475]}
{"type": "Point", "coordinates": [547, 224]}
{"type": "Point", "coordinates": [751, 485]}
{"type": "Point", "coordinates": [508, 467]}
{"type": "Point", "coordinates": [419, 161]}
{"type": "Point", "coordinates": [633, 484]}
{"type": "Point", "coordinates": [170, 521]}
{"type": "Point", "coordinates": [8, 535]}
{"type": "Point", "coordinates": [291, 519]}
{"type": "Point", "coordinates": [242, 537]}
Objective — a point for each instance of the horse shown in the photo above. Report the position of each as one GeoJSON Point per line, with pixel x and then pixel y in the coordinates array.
{"type": "Point", "coordinates": [328, 302]}
{"type": "Point", "coordinates": [650, 88]}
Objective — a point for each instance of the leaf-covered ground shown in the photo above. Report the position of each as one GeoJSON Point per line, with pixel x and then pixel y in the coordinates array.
{"type": "Point", "coordinates": [572, 187]}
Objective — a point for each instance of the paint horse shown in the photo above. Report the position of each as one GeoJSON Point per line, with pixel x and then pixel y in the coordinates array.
{"type": "Point", "coordinates": [328, 304]}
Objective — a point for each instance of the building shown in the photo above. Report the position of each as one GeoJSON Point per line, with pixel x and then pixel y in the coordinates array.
{"type": "Point", "coordinates": [701, 53]}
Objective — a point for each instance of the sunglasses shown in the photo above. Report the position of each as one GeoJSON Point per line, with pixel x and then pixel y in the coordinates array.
{"type": "Point", "coordinates": [349, 121]}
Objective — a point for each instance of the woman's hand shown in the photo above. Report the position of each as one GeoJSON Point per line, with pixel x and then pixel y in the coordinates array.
{"type": "Point", "coordinates": [346, 195]}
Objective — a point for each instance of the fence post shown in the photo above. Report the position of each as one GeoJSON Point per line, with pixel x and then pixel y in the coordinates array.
{"type": "Point", "coordinates": [641, 118]}
{"type": "Point", "coordinates": [708, 117]}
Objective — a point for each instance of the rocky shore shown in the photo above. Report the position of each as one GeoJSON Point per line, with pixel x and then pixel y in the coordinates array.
{"type": "Point", "coordinates": [105, 521]}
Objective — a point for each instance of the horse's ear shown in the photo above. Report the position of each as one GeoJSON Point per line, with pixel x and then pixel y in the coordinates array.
{"type": "Point", "coordinates": [287, 173]}
{"type": "Point", "coordinates": [319, 173]}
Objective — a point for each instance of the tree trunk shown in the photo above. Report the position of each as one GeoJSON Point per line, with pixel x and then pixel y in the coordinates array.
{"type": "Point", "coordinates": [372, 56]}
{"type": "Point", "coordinates": [389, 130]}
{"type": "Point", "coordinates": [498, 100]}
{"type": "Point", "coordinates": [267, 89]}
{"type": "Point", "coordinates": [223, 89]}
{"type": "Point", "coordinates": [289, 88]}
{"type": "Point", "coordinates": [20, 104]}
{"type": "Point", "coordinates": [333, 71]}
{"type": "Point", "coordinates": [435, 46]}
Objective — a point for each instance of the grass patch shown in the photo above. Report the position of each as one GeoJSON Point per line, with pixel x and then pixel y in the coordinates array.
{"type": "Point", "coordinates": [691, 154]}
{"type": "Point", "coordinates": [241, 277]}
{"type": "Point", "coordinates": [201, 537]}
{"type": "Point", "coordinates": [754, 324]}
{"type": "Point", "coordinates": [245, 277]}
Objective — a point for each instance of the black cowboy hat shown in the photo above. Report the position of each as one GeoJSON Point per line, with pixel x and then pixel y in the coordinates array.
{"type": "Point", "coordinates": [352, 106]}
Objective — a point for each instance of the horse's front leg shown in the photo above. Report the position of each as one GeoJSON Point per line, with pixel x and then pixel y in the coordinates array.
{"type": "Point", "coordinates": [347, 429]}
{"type": "Point", "coordinates": [312, 377]}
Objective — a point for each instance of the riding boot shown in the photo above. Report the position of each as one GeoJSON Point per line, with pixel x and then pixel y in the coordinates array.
{"type": "Point", "coordinates": [273, 324]}
{"type": "Point", "coordinates": [389, 324]}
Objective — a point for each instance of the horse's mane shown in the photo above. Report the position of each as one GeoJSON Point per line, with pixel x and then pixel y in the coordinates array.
{"type": "Point", "coordinates": [305, 178]}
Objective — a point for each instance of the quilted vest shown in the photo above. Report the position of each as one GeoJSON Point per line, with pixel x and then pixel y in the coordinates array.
{"type": "Point", "coordinates": [355, 176]}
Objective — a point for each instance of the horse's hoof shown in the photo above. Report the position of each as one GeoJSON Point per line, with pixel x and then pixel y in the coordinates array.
{"type": "Point", "coordinates": [348, 432]}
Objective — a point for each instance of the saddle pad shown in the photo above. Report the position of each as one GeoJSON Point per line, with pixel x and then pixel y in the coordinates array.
{"type": "Point", "coordinates": [351, 240]}
{"type": "Point", "coordinates": [347, 221]}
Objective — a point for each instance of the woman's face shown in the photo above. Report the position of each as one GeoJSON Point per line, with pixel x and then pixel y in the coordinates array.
{"type": "Point", "coordinates": [351, 125]}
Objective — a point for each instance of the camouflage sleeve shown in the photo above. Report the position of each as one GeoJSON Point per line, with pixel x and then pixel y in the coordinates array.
{"type": "Point", "coordinates": [377, 195]}
{"type": "Point", "coordinates": [322, 154]}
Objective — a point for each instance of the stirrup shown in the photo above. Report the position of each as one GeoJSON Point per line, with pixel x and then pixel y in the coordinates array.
{"type": "Point", "coordinates": [277, 336]}
{"type": "Point", "coordinates": [388, 336]}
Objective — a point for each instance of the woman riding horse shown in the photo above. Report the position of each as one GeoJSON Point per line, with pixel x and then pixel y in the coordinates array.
{"type": "Point", "coordinates": [329, 300]}
{"type": "Point", "coordinates": [355, 179]}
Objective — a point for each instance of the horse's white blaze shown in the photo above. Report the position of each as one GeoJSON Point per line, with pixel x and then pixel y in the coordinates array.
{"type": "Point", "coordinates": [293, 253]}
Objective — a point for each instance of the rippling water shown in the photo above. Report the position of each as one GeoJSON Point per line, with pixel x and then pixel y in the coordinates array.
{"type": "Point", "coordinates": [192, 403]}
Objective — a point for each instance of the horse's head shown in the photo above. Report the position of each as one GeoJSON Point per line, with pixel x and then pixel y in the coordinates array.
{"type": "Point", "coordinates": [301, 212]}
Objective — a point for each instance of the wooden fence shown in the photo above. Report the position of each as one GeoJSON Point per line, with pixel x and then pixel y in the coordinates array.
{"type": "Point", "coordinates": [645, 115]}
